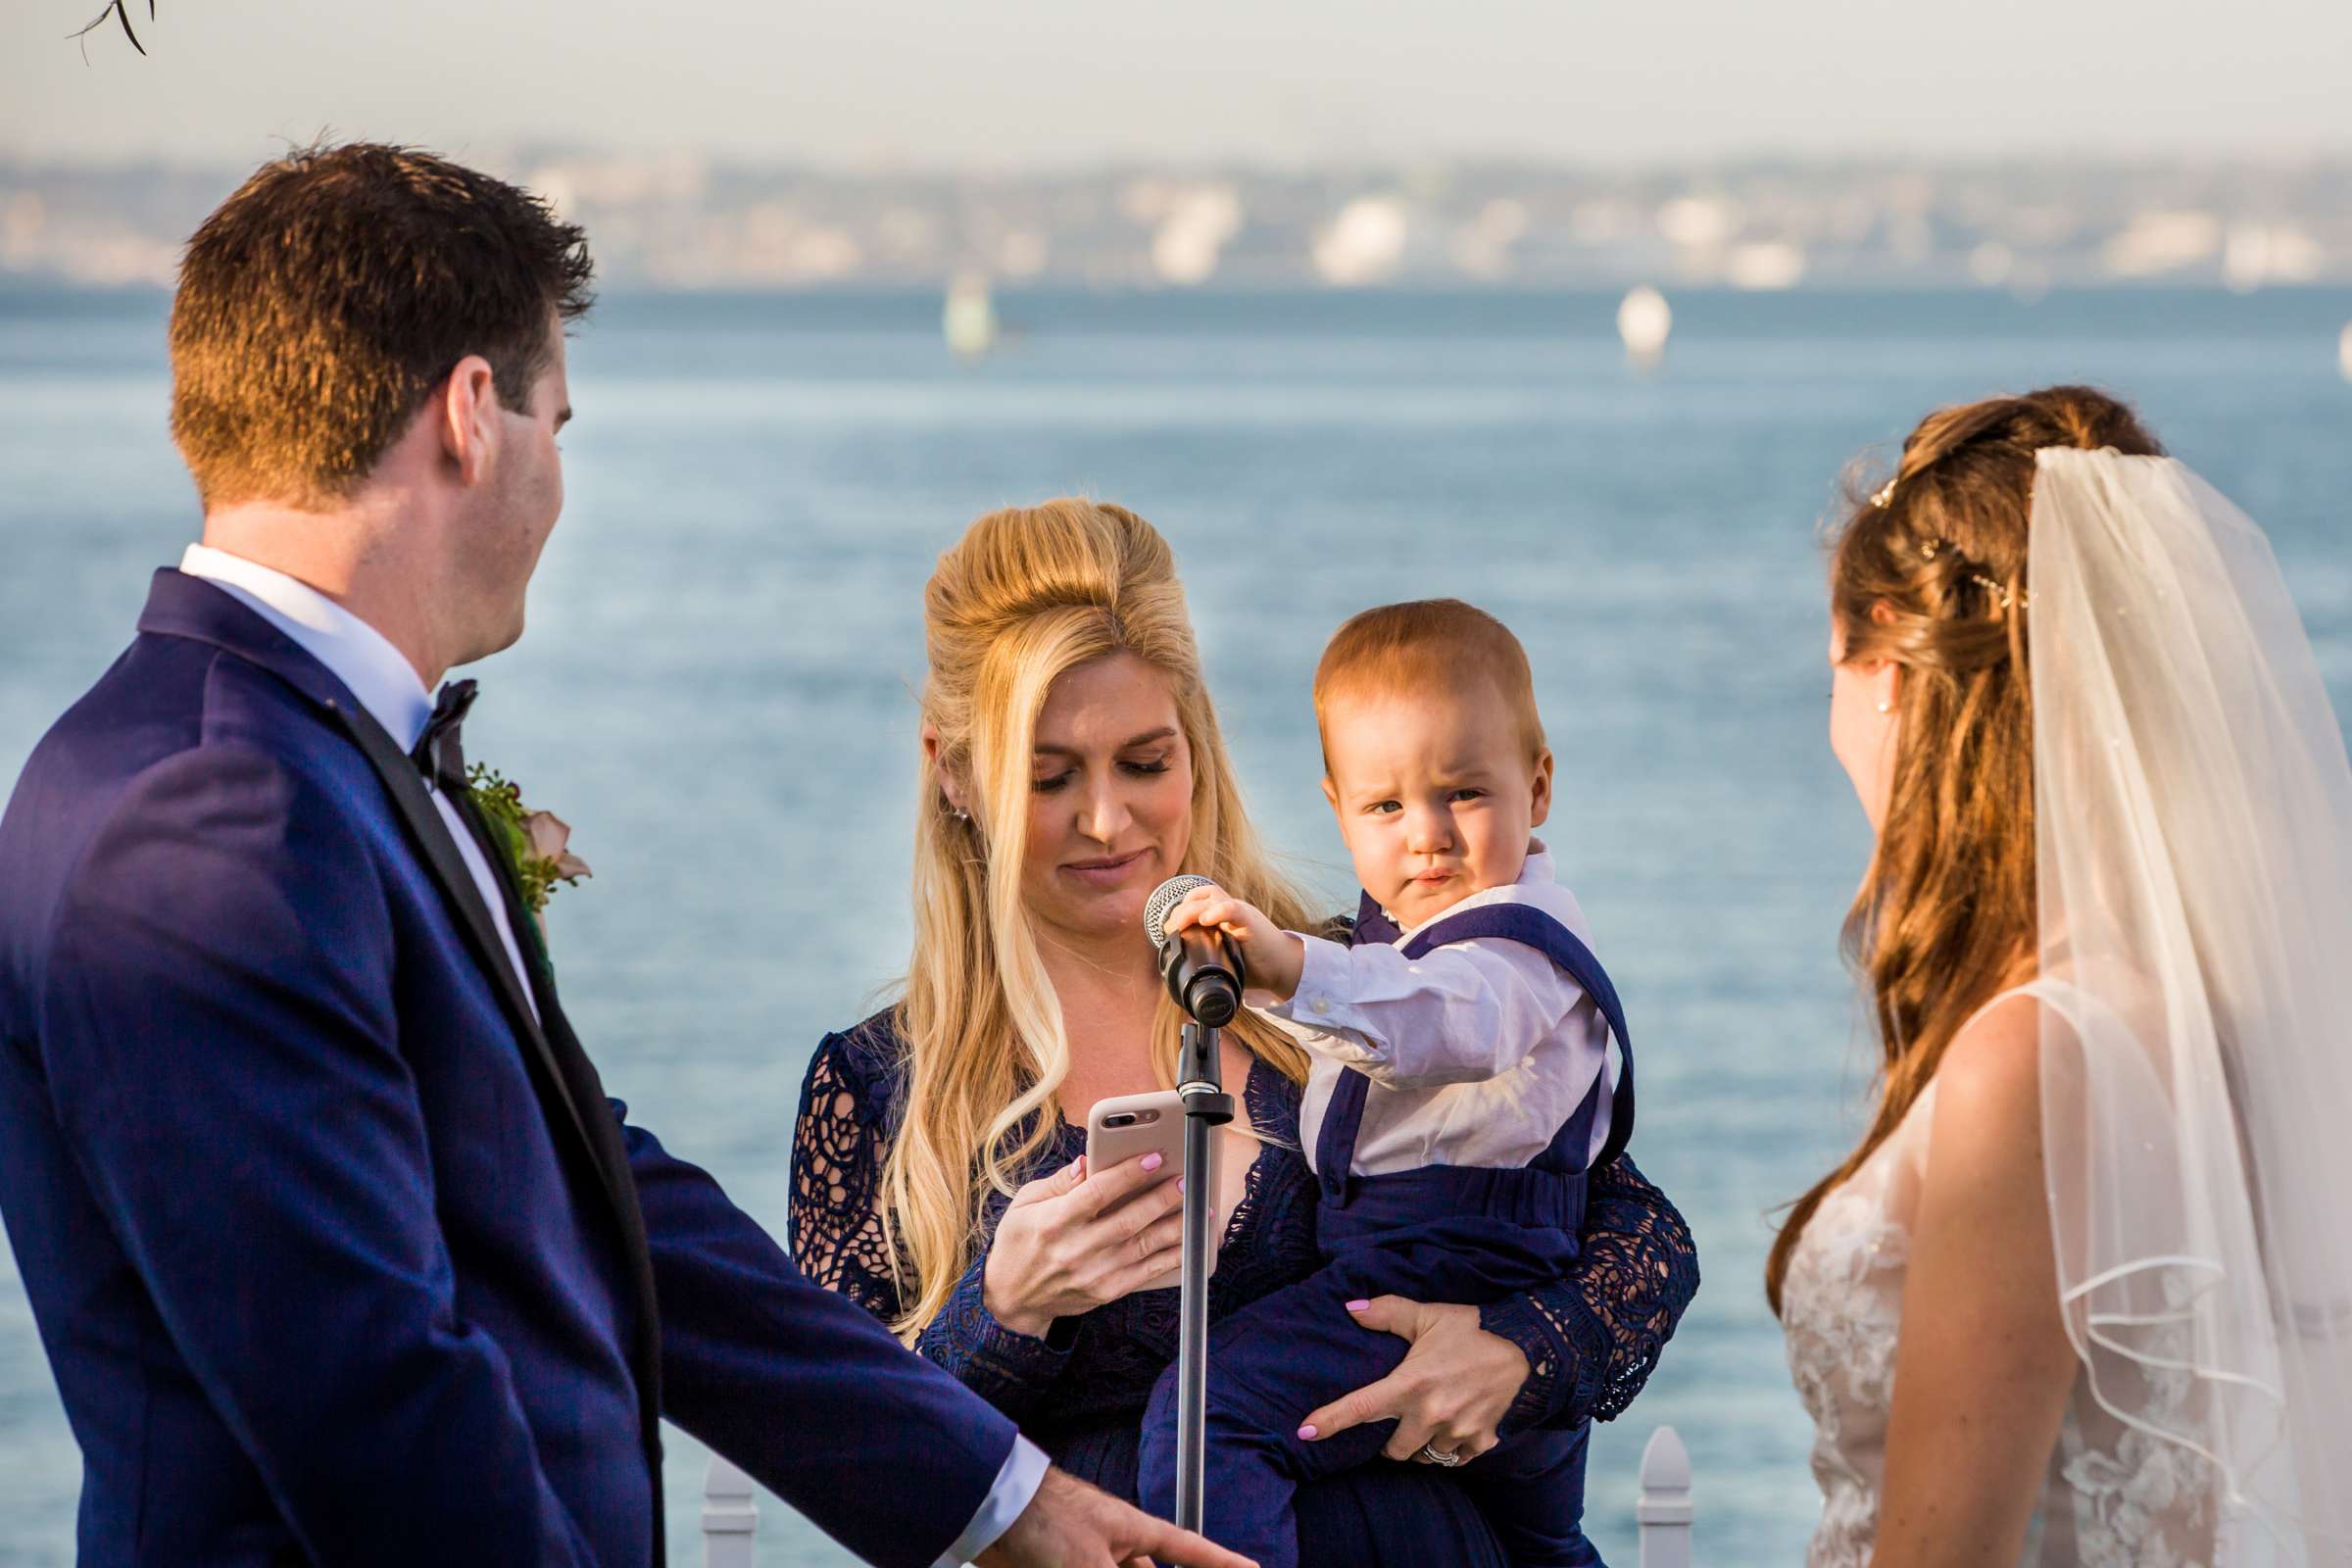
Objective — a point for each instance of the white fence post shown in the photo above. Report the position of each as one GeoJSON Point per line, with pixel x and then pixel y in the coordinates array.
{"type": "Point", "coordinates": [730, 1516]}
{"type": "Point", "coordinates": [1664, 1510]}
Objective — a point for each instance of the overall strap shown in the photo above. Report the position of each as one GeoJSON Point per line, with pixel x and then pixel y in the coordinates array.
{"type": "Point", "coordinates": [1335, 1144]}
{"type": "Point", "coordinates": [1530, 926]}
{"type": "Point", "coordinates": [1344, 1116]}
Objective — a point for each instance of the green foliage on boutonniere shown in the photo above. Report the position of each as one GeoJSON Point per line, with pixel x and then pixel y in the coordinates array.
{"type": "Point", "coordinates": [534, 842]}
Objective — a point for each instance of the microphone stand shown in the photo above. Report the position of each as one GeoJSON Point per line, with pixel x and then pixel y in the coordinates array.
{"type": "Point", "coordinates": [1206, 1107]}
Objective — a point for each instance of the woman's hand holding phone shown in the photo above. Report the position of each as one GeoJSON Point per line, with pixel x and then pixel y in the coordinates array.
{"type": "Point", "coordinates": [1076, 1238]}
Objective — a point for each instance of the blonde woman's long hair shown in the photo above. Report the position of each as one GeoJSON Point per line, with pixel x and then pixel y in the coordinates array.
{"type": "Point", "coordinates": [1027, 594]}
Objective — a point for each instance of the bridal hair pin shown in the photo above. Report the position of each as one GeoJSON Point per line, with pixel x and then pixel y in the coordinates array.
{"type": "Point", "coordinates": [2002, 592]}
{"type": "Point", "coordinates": [1885, 495]}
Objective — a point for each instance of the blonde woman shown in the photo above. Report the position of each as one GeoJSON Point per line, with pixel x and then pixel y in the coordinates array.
{"type": "Point", "coordinates": [1071, 763]}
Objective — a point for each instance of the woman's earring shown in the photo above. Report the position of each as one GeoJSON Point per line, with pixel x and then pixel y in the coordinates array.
{"type": "Point", "coordinates": [963, 815]}
{"type": "Point", "coordinates": [1885, 708]}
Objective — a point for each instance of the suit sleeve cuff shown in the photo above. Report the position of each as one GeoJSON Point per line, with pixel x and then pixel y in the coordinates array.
{"type": "Point", "coordinates": [1017, 1481]}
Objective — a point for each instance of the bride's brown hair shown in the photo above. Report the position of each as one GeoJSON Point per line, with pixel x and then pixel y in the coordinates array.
{"type": "Point", "coordinates": [1929, 572]}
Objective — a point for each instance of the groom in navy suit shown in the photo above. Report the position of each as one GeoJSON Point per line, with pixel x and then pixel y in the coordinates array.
{"type": "Point", "coordinates": [337, 1248]}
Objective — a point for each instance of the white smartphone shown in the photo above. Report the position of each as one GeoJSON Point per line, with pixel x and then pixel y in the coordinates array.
{"type": "Point", "coordinates": [1126, 1126]}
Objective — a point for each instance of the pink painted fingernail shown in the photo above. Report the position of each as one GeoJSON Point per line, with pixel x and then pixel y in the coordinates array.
{"type": "Point", "coordinates": [1180, 1184]}
{"type": "Point", "coordinates": [1307, 1431]}
{"type": "Point", "coordinates": [1360, 1306]}
{"type": "Point", "coordinates": [1152, 1161]}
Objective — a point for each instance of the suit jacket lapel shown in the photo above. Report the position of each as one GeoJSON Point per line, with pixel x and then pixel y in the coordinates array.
{"type": "Point", "coordinates": [569, 1059]}
{"type": "Point", "coordinates": [180, 606]}
{"type": "Point", "coordinates": [430, 834]}
{"type": "Point", "coordinates": [567, 1076]}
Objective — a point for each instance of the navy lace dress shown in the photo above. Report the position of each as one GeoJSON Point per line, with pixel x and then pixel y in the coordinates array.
{"type": "Point", "coordinates": [1590, 1340]}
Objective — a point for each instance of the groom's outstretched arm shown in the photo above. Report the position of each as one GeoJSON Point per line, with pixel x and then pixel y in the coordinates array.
{"type": "Point", "coordinates": [219, 1040]}
{"type": "Point", "coordinates": [805, 1389]}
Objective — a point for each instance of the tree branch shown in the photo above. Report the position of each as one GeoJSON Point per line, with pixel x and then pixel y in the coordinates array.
{"type": "Point", "coordinates": [120, 10]}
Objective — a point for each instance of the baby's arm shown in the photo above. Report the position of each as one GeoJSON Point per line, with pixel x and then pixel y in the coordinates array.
{"type": "Point", "coordinates": [1460, 1013]}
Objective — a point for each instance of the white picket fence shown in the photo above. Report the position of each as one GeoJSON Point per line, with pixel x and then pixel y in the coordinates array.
{"type": "Point", "coordinates": [731, 1512]}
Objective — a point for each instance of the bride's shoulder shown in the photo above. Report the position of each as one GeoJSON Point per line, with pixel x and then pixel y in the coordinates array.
{"type": "Point", "coordinates": [1987, 1087]}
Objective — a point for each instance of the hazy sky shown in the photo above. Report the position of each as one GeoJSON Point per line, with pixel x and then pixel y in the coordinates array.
{"type": "Point", "coordinates": [1032, 82]}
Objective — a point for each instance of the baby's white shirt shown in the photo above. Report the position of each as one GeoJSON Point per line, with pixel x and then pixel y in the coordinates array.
{"type": "Point", "coordinates": [1479, 1051]}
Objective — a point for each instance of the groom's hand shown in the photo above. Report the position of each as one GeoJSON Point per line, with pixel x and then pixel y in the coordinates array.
{"type": "Point", "coordinates": [1070, 1523]}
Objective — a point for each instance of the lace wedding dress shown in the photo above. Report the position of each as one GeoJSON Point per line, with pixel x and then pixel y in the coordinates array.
{"type": "Point", "coordinates": [2113, 1497]}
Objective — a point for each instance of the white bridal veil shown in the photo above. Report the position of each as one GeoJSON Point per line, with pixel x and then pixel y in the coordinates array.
{"type": "Point", "coordinates": [2194, 808]}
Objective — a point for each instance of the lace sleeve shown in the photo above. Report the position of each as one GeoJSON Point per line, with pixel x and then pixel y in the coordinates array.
{"type": "Point", "coordinates": [838, 1147]}
{"type": "Point", "coordinates": [1592, 1340]}
{"type": "Point", "coordinates": [1012, 1371]}
{"type": "Point", "coordinates": [837, 1151]}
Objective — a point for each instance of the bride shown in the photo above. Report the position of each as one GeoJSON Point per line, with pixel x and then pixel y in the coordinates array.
{"type": "Point", "coordinates": [2083, 1294]}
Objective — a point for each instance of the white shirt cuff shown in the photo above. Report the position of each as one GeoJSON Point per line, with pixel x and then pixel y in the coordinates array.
{"type": "Point", "coordinates": [1322, 963]}
{"type": "Point", "coordinates": [1324, 1005]}
{"type": "Point", "coordinates": [1017, 1479]}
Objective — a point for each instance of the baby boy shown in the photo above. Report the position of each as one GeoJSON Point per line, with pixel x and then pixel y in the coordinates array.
{"type": "Point", "coordinates": [1461, 1081]}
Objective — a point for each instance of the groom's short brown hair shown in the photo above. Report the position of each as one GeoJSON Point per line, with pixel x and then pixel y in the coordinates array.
{"type": "Point", "coordinates": [319, 304]}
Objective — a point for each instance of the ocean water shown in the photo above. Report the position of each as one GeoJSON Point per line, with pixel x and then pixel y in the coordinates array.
{"type": "Point", "coordinates": [725, 635]}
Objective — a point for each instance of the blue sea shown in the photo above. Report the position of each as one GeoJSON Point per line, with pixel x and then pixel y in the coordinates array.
{"type": "Point", "coordinates": [717, 688]}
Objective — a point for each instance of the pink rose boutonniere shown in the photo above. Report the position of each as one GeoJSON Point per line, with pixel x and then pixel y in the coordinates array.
{"type": "Point", "coordinates": [536, 843]}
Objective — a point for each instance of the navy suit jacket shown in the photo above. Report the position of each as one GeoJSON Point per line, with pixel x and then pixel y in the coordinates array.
{"type": "Point", "coordinates": [338, 1254]}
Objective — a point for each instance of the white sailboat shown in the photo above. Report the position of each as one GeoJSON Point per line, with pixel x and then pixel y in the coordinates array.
{"type": "Point", "coordinates": [969, 320]}
{"type": "Point", "coordinates": [1644, 320]}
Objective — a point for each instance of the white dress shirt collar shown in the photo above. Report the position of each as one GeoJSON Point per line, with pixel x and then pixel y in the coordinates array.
{"type": "Point", "coordinates": [355, 652]}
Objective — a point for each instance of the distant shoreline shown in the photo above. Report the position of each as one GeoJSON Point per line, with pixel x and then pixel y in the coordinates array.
{"type": "Point", "coordinates": [23, 287]}
{"type": "Point", "coordinates": [668, 220]}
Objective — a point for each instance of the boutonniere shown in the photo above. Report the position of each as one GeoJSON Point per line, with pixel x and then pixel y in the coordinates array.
{"type": "Point", "coordinates": [534, 842]}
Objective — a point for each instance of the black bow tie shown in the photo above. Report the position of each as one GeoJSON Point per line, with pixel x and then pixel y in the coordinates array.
{"type": "Point", "coordinates": [439, 754]}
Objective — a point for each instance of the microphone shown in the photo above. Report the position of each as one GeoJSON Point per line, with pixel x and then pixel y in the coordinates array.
{"type": "Point", "coordinates": [1202, 971]}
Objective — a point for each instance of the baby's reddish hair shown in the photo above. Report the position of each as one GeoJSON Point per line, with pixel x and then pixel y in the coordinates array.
{"type": "Point", "coordinates": [1438, 646]}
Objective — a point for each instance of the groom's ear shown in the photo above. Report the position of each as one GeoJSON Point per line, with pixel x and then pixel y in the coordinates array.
{"type": "Point", "coordinates": [467, 424]}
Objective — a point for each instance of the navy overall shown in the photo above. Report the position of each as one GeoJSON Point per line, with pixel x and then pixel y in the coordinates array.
{"type": "Point", "coordinates": [1440, 1233]}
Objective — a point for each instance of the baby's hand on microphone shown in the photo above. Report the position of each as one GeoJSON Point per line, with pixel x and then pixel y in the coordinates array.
{"type": "Point", "coordinates": [1274, 957]}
